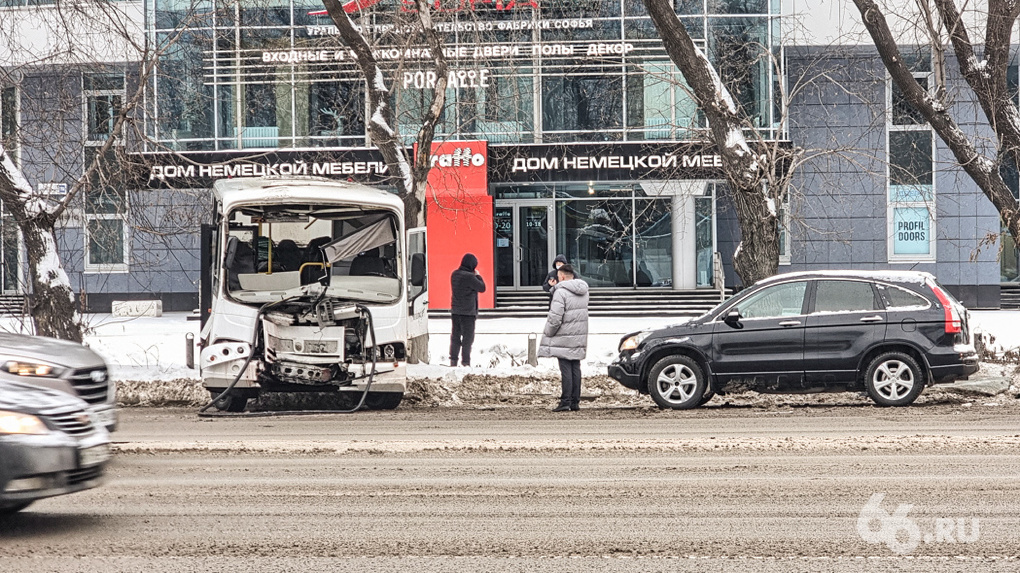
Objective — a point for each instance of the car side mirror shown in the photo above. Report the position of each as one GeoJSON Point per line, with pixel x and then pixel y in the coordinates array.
{"type": "Point", "coordinates": [418, 269]}
{"type": "Point", "coordinates": [732, 317]}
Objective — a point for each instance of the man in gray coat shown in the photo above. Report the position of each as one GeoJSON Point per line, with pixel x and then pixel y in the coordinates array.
{"type": "Point", "coordinates": [566, 334]}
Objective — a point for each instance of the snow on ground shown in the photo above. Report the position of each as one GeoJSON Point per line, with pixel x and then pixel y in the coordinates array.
{"type": "Point", "coordinates": [153, 349]}
{"type": "Point", "coordinates": [1000, 327]}
{"type": "Point", "coordinates": [501, 346]}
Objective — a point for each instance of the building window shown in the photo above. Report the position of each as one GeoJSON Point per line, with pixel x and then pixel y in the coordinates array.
{"type": "Point", "coordinates": [105, 213]}
{"type": "Point", "coordinates": [589, 107]}
{"type": "Point", "coordinates": [105, 210]}
{"type": "Point", "coordinates": [911, 182]}
{"type": "Point", "coordinates": [9, 121]}
{"type": "Point", "coordinates": [104, 98]}
{"type": "Point", "coordinates": [783, 216]}
{"type": "Point", "coordinates": [107, 249]}
{"type": "Point", "coordinates": [1009, 256]}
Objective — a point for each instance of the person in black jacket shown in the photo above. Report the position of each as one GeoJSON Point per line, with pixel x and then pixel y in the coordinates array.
{"type": "Point", "coordinates": [466, 283]}
{"type": "Point", "coordinates": [551, 278]}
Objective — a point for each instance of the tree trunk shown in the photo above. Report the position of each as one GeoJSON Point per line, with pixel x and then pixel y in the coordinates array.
{"type": "Point", "coordinates": [414, 208]}
{"type": "Point", "coordinates": [51, 302]}
{"type": "Point", "coordinates": [757, 255]}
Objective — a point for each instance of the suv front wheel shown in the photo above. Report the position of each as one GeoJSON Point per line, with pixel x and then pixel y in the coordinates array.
{"type": "Point", "coordinates": [894, 379]}
{"type": "Point", "coordinates": [677, 382]}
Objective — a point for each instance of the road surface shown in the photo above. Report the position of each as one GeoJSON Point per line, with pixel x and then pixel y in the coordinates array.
{"type": "Point", "coordinates": [522, 489]}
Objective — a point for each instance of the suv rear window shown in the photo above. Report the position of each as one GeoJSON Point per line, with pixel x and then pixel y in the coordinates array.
{"type": "Point", "coordinates": [902, 298]}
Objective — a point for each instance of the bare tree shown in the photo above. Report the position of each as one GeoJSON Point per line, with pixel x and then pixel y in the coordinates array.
{"type": "Point", "coordinates": [382, 128]}
{"type": "Point", "coordinates": [758, 181]}
{"type": "Point", "coordinates": [69, 54]}
{"type": "Point", "coordinates": [985, 77]}
{"type": "Point", "coordinates": [412, 176]}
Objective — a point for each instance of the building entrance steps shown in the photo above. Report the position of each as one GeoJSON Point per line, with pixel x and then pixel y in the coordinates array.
{"type": "Point", "coordinates": [12, 304]}
{"type": "Point", "coordinates": [606, 302]}
{"type": "Point", "coordinates": [1009, 296]}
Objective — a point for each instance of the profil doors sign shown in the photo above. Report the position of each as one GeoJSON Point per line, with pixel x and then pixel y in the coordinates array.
{"type": "Point", "coordinates": [459, 217]}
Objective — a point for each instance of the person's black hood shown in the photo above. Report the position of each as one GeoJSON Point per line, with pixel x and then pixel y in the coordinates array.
{"type": "Point", "coordinates": [559, 259]}
{"type": "Point", "coordinates": [469, 262]}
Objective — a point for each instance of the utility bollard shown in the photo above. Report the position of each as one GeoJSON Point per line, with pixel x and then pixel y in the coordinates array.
{"type": "Point", "coordinates": [189, 349]}
{"type": "Point", "coordinates": [533, 349]}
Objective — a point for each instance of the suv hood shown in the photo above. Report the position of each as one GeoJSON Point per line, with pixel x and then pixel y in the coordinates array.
{"type": "Point", "coordinates": [52, 350]}
{"type": "Point", "coordinates": [34, 400]}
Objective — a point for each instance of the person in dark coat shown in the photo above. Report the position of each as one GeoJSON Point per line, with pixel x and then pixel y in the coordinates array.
{"type": "Point", "coordinates": [466, 283]}
{"type": "Point", "coordinates": [566, 334]}
{"type": "Point", "coordinates": [550, 279]}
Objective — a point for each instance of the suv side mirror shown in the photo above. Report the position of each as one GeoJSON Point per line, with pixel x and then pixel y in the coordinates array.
{"type": "Point", "coordinates": [732, 317]}
{"type": "Point", "coordinates": [418, 269]}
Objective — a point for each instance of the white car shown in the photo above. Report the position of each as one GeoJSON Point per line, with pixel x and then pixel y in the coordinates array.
{"type": "Point", "coordinates": [60, 365]}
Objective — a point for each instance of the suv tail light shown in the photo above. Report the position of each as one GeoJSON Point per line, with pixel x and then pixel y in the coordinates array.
{"type": "Point", "coordinates": [954, 323]}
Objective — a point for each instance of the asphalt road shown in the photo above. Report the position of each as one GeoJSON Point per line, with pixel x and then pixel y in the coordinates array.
{"type": "Point", "coordinates": [521, 489]}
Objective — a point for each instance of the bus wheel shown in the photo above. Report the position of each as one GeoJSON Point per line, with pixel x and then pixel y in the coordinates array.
{"type": "Point", "coordinates": [228, 403]}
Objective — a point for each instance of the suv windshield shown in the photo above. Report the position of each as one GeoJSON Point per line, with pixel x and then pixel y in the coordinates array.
{"type": "Point", "coordinates": [272, 252]}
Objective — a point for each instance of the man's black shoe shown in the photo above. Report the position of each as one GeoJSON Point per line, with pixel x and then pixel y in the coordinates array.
{"type": "Point", "coordinates": [563, 407]}
{"type": "Point", "coordinates": [574, 406]}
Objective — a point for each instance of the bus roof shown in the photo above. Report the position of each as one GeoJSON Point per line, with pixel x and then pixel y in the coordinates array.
{"type": "Point", "coordinates": [312, 190]}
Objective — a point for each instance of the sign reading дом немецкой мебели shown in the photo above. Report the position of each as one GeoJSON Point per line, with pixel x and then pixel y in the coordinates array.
{"type": "Point", "coordinates": [511, 163]}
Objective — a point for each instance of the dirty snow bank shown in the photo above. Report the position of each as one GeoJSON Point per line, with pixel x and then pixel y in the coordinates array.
{"type": "Point", "coordinates": [147, 357]}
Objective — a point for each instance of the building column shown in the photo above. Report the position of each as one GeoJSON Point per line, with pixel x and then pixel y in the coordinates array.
{"type": "Point", "coordinates": [685, 262]}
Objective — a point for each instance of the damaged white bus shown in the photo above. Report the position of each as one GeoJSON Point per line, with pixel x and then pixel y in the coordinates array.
{"type": "Point", "coordinates": [310, 285]}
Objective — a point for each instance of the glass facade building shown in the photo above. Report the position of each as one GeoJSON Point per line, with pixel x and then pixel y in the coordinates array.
{"type": "Point", "coordinates": [258, 75]}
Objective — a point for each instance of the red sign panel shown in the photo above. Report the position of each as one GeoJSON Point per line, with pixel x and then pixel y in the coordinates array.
{"type": "Point", "coordinates": [459, 217]}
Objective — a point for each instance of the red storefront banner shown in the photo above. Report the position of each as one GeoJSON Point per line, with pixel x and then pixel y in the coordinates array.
{"type": "Point", "coordinates": [459, 217]}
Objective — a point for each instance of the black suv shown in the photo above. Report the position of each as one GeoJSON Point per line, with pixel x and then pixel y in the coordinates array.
{"type": "Point", "coordinates": [887, 333]}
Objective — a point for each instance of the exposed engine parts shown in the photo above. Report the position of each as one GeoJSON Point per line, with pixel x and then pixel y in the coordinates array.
{"type": "Point", "coordinates": [292, 351]}
{"type": "Point", "coordinates": [315, 341]}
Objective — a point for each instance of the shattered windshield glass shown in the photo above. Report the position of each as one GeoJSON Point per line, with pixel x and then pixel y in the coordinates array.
{"type": "Point", "coordinates": [275, 252]}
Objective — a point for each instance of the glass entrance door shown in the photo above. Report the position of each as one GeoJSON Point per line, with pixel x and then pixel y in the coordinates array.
{"type": "Point", "coordinates": [523, 247]}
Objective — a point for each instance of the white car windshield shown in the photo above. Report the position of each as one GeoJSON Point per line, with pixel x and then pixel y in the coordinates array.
{"type": "Point", "coordinates": [275, 252]}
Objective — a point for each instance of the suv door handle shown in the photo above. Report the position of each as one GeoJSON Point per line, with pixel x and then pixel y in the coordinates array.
{"type": "Point", "coordinates": [875, 318]}
{"type": "Point", "coordinates": [789, 323]}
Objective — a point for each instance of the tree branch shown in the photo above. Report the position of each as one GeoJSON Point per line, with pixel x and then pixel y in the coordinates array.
{"type": "Point", "coordinates": [981, 169]}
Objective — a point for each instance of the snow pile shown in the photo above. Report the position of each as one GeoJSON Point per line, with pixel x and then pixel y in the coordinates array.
{"type": "Point", "coordinates": [996, 335]}
{"type": "Point", "coordinates": [180, 392]}
{"type": "Point", "coordinates": [480, 390]}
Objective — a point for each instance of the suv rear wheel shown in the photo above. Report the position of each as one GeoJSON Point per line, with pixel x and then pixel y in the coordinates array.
{"type": "Point", "coordinates": [677, 382]}
{"type": "Point", "coordinates": [894, 379]}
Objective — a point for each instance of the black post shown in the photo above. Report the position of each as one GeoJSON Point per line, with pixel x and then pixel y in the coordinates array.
{"type": "Point", "coordinates": [206, 246]}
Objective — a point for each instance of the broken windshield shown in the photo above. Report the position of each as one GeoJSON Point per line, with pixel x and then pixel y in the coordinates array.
{"type": "Point", "coordinates": [274, 252]}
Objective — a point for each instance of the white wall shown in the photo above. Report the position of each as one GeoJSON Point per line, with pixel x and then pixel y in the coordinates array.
{"type": "Point", "coordinates": [82, 31]}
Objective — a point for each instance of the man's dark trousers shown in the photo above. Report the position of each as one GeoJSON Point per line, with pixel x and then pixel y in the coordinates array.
{"type": "Point", "coordinates": [570, 375]}
{"type": "Point", "coordinates": [461, 338]}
